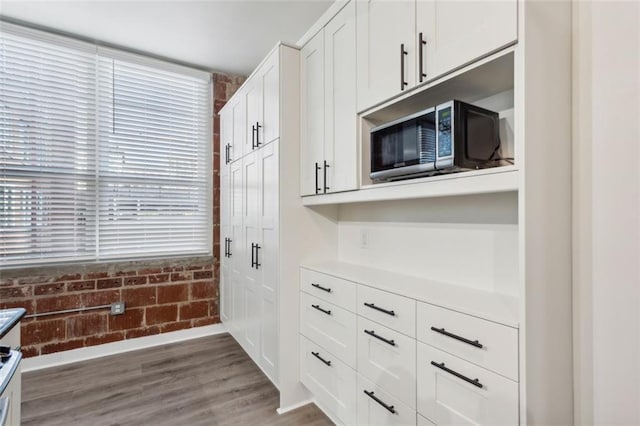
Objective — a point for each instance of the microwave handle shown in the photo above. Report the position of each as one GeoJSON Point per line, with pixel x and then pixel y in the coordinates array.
{"type": "Point", "coordinates": [403, 53]}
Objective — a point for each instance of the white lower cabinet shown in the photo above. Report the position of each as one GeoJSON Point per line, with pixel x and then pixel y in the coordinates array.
{"type": "Point", "coordinates": [388, 359]}
{"type": "Point", "coordinates": [332, 382]}
{"type": "Point", "coordinates": [330, 326]}
{"type": "Point", "coordinates": [452, 391]}
{"type": "Point", "coordinates": [378, 407]}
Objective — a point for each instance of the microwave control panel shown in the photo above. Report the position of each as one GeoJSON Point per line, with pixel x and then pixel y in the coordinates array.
{"type": "Point", "coordinates": [444, 132]}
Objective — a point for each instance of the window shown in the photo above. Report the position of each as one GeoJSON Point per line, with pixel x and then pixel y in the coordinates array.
{"type": "Point", "coordinates": [103, 154]}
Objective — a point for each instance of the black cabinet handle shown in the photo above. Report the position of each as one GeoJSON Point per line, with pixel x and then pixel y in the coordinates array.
{"type": "Point", "coordinates": [403, 53]}
{"type": "Point", "coordinates": [387, 341]}
{"type": "Point", "coordinates": [325, 176]}
{"type": "Point", "coordinates": [321, 310]}
{"type": "Point", "coordinates": [226, 154]}
{"type": "Point", "coordinates": [229, 249]}
{"type": "Point", "coordinates": [317, 355]}
{"type": "Point", "coordinates": [318, 286]}
{"type": "Point", "coordinates": [377, 308]}
{"type": "Point", "coordinates": [441, 366]}
{"type": "Point", "coordinates": [258, 264]}
{"type": "Point", "coordinates": [475, 343]}
{"type": "Point", "coordinates": [253, 261]}
{"type": "Point", "coordinates": [253, 137]}
{"type": "Point", "coordinates": [318, 168]}
{"type": "Point", "coordinates": [258, 143]}
{"type": "Point", "coordinates": [375, 398]}
{"type": "Point", "coordinates": [421, 42]}
{"type": "Point", "coordinates": [226, 247]}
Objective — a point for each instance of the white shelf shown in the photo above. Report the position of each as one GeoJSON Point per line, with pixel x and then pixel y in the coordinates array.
{"type": "Point", "coordinates": [498, 179]}
{"type": "Point", "coordinates": [496, 307]}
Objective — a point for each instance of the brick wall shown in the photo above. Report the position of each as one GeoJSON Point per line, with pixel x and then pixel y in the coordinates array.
{"type": "Point", "coordinates": [160, 296]}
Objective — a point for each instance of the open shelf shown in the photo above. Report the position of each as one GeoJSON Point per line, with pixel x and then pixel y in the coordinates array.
{"type": "Point", "coordinates": [497, 179]}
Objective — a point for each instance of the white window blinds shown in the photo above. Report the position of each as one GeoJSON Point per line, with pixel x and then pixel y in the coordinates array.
{"type": "Point", "coordinates": [102, 154]}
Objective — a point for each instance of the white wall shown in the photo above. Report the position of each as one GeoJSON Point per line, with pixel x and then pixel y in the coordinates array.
{"type": "Point", "coordinates": [606, 218]}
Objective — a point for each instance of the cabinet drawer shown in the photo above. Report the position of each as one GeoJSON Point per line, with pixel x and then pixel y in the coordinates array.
{"type": "Point", "coordinates": [332, 382]}
{"type": "Point", "coordinates": [388, 359]}
{"type": "Point", "coordinates": [446, 395]}
{"type": "Point", "coordinates": [462, 335]}
{"type": "Point", "coordinates": [388, 309]}
{"type": "Point", "coordinates": [334, 290]}
{"type": "Point", "coordinates": [329, 326]}
{"type": "Point", "coordinates": [377, 407]}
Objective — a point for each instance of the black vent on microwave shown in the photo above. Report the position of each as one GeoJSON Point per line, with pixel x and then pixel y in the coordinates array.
{"type": "Point", "coordinates": [427, 138]}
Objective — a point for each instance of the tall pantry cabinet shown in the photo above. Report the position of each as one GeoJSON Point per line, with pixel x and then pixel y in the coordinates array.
{"type": "Point", "coordinates": [262, 218]}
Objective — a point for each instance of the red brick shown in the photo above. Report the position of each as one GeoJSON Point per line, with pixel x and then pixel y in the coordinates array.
{"type": "Point", "coordinates": [34, 280]}
{"type": "Point", "coordinates": [62, 346]}
{"type": "Point", "coordinates": [143, 296]}
{"type": "Point", "coordinates": [220, 90]}
{"type": "Point", "coordinates": [124, 273]}
{"type": "Point", "coordinates": [159, 278]}
{"type": "Point", "coordinates": [99, 298]}
{"type": "Point", "coordinates": [150, 271]}
{"type": "Point", "coordinates": [175, 326]}
{"type": "Point", "coordinates": [95, 275]}
{"type": "Point", "coordinates": [194, 310]}
{"type": "Point", "coordinates": [173, 268]}
{"type": "Point", "coordinates": [132, 318]}
{"type": "Point", "coordinates": [222, 78]}
{"type": "Point", "coordinates": [109, 283]}
{"type": "Point", "coordinates": [29, 305]}
{"type": "Point", "coordinates": [161, 314]}
{"type": "Point", "coordinates": [86, 325]}
{"type": "Point", "coordinates": [172, 293]}
{"type": "Point", "coordinates": [180, 276]}
{"type": "Point", "coordinates": [103, 338]}
{"type": "Point", "coordinates": [202, 275]}
{"type": "Point", "coordinates": [6, 282]}
{"type": "Point", "coordinates": [81, 285]}
{"type": "Point", "coordinates": [213, 307]}
{"type": "Point", "coordinates": [135, 280]}
{"type": "Point", "coordinates": [195, 267]}
{"type": "Point", "coordinates": [68, 277]}
{"type": "Point", "coordinates": [205, 321]}
{"type": "Point", "coordinates": [48, 289]}
{"type": "Point", "coordinates": [140, 332]}
{"type": "Point", "coordinates": [30, 351]}
{"type": "Point", "coordinates": [202, 290]}
{"type": "Point", "coordinates": [58, 303]}
{"type": "Point", "coordinates": [39, 332]}
{"type": "Point", "coordinates": [17, 292]}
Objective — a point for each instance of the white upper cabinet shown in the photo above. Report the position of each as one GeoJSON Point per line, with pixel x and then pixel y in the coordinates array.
{"type": "Point", "coordinates": [262, 98]}
{"type": "Point", "coordinates": [403, 43]}
{"type": "Point", "coordinates": [226, 136]}
{"type": "Point", "coordinates": [328, 118]}
{"type": "Point", "coordinates": [457, 32]}
{"type": "Point", "coordinates": [239, 120]}
{"type": "Point", "coordinates": [386, 49]}
{"type": "Point", "coordinates": [312, 114]}
{"type": "Point", "coordinates": [340, 171]}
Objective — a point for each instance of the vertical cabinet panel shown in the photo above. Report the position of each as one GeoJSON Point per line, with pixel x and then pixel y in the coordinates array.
{"type": "Point", "coordinates": [236, 246]}
{"type": "Point", "coordinates": [270, 76]}
{"type": "Point", "coordinates": [457, 32]}
{"type": "Point", "coordinates": [312, 114]}
{"type": "Point", "coordinates": [254, 115]}
{"type": "Point", "coordinates": [225, 234]}
{"type": "Point", "coordinates": [382, 27]}
{"type": "Point", "coordinates": [340, 134]}
{"type": "Point", "coordinates": [238, 126]}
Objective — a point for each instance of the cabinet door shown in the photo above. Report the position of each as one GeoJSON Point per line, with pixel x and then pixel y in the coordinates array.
{"type": "Point", "coordinates": [251, 236]}
{"type": "Point", "coordinates": [382, 27]}
{"type": "Point", "coordinates": [270, 76]}
{"type": "Point", "coordinates": [462, 31]}
{"type": "Point", "coordinates": [312, 113]}
{"type": "Point", "coordinates": [340, 135]}
{"type": "Point", "coordinates": [223, 251]}
{"type": "Point", "coordinates": [239, 135]}
{"type": "Point", "coordinates": [238, 254]}
{"type": "Point", "coordinates": [226, 136]}
{"type": "Point", "coordinates": [254, 114]}
{"type": "Point", "coordinates": [267, 258]}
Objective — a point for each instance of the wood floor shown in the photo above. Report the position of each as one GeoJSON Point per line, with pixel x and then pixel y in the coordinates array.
{"type": "Point", "coordinates": [207, 381]}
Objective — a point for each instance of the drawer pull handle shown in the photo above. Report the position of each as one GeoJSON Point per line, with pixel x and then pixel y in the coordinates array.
{"type": "Point", "coordinates": [321, 310]}
{"type": "Point", "coordinates": [318, 286]}
{"type": "Point", "coordinates": [376, 399]}
{"type": "Point", "coordinates": [317, 355]}
{"type": "Point", "coordinates": [377, 308]}
{"type": "Point", "coordinates": [453, 336]}
{"type": "Point", "coordinates": [373, 334]}
{"type": "Point", "coordinates": [474, 382]}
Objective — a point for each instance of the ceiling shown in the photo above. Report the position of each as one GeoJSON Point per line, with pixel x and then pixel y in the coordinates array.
{"type": "Point", "coordinates": [222, 35]}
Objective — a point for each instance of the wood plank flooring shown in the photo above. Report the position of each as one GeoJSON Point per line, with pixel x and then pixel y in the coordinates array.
{"type": "Point", "coordinates": [207, 381]}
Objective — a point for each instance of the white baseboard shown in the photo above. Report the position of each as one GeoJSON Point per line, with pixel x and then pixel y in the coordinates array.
{"type": "Point", "coordinates": [113, 348]}
{"type": "Point", "coordinates": [283, 410]}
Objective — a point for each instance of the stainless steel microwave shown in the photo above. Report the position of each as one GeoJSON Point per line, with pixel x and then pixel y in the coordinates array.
{"type": "Point", "coordinates": [453, 136]}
